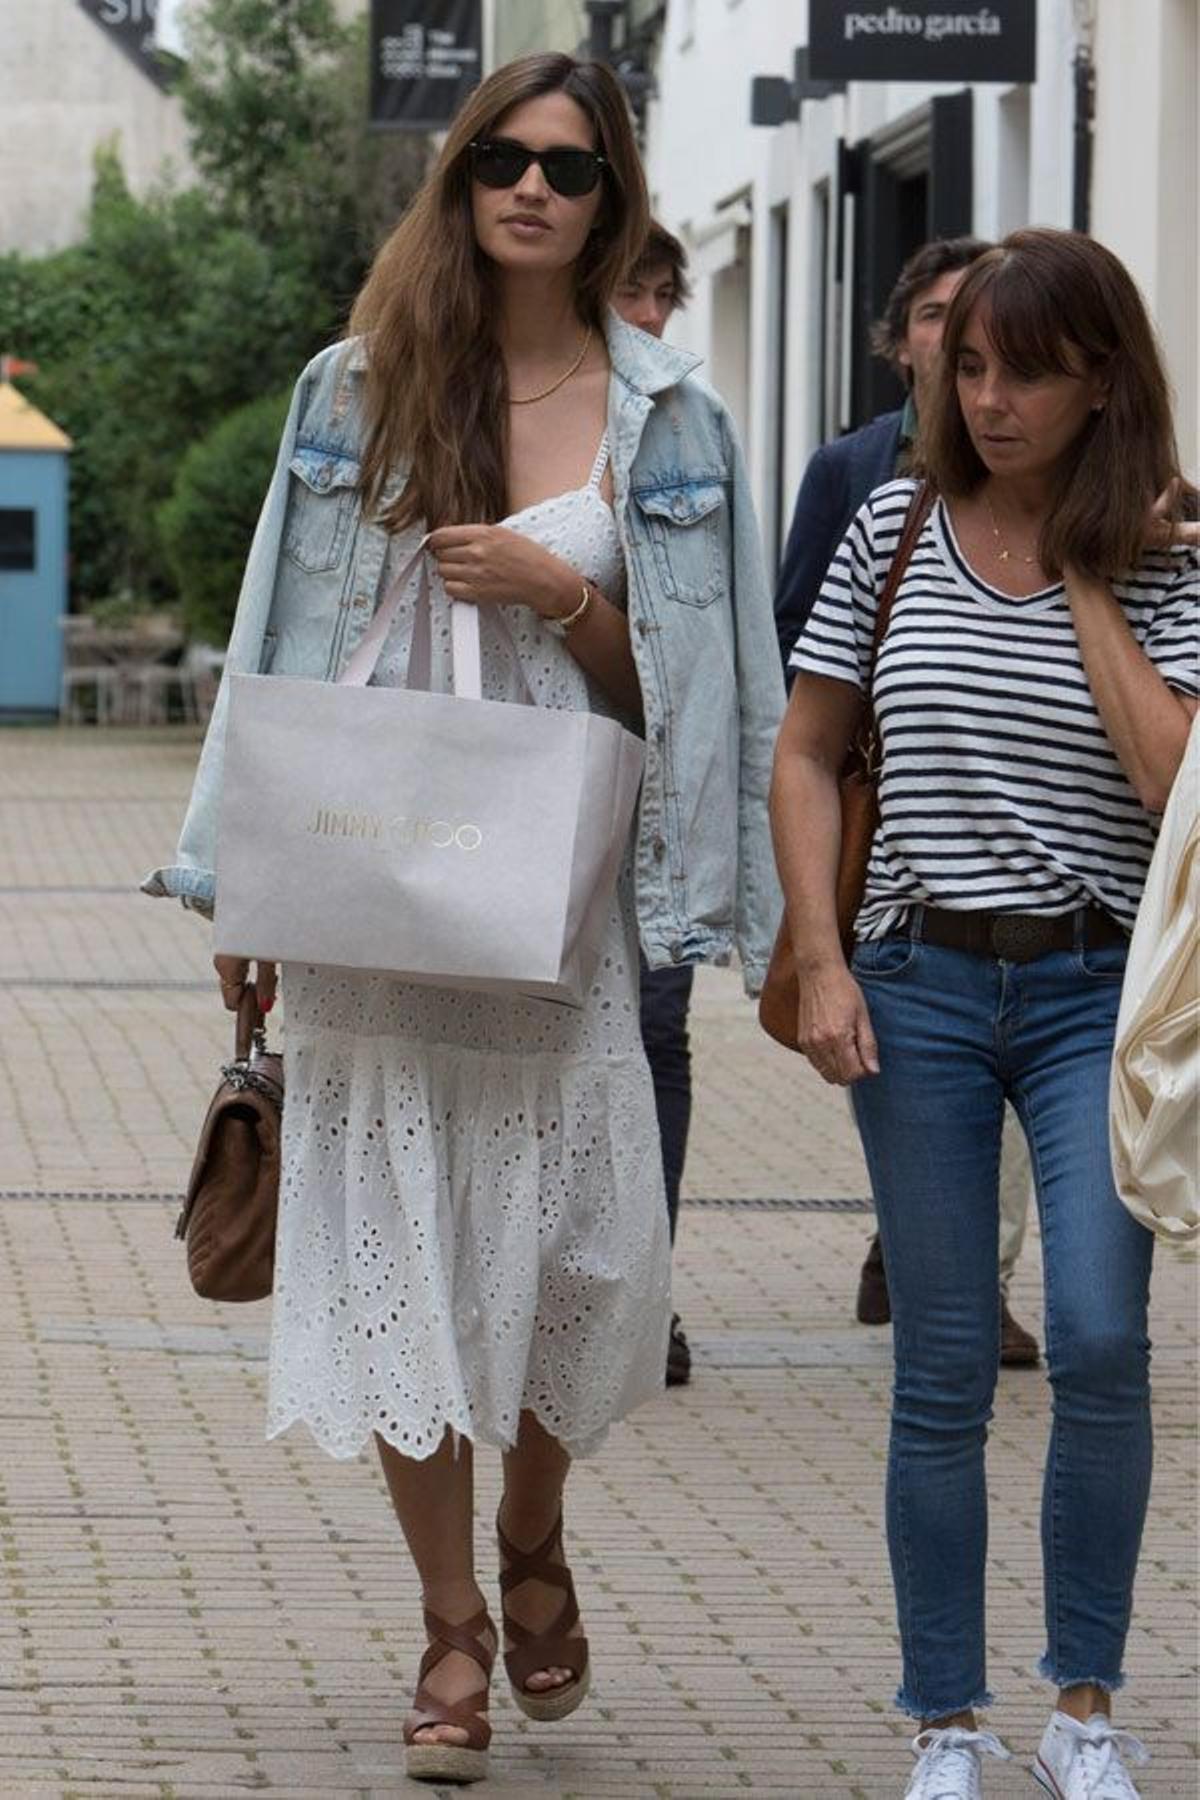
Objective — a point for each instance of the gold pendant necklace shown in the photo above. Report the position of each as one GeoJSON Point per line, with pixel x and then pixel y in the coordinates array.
{"type": "Point", "coordinates": [1002, 549]}
{"type": "Point", "coordinates": [530, 399]}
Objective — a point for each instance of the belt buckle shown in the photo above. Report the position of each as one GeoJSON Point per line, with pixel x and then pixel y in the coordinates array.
{"type": "Point", "coordinates": [1020, 937]}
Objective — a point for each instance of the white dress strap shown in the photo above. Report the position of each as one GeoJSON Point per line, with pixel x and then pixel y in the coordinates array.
{"type": "Point", "coordinates": [600, 464]}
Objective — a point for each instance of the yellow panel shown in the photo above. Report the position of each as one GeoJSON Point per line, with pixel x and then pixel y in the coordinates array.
{"type": "Point", "coordinates": [23, 427]}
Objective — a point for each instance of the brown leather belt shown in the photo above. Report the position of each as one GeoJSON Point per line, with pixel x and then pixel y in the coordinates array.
{"type": "Point", "coordinates": [1015, 937]}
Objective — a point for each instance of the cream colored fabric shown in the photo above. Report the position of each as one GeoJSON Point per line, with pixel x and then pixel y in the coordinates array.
{"type": "Point", "coordinates": [1154, 1103]}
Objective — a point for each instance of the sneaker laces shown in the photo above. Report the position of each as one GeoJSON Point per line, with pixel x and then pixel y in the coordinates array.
{"type": "Point", "coordinates": [948, 1762]}
{"type": "Point", "coordinates": [1101, 1749]}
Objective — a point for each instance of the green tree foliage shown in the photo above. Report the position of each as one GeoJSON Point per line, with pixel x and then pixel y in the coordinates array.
{"type": "Point", "coordinates": [262, 109]}
{"type": "Point", "coordinates": [276, 95]}
{"type": "Point", "coordinates": [208, 522]}
{"type": "Point", "coordinates": [178, 309]}
{"type": "Point", "coordinates": [162, 321]}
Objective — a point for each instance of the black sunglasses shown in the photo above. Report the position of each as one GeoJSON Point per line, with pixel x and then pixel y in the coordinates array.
{"type": "Point", "coordinates": [501, 162]}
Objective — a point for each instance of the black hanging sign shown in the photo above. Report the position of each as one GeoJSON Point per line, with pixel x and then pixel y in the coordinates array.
{"type": "Point", "coordinates": [426, 56]}
{"type": "Point", "coordinates": [906, 42]}
{"type": "Point", "coordinates": [130, 25]}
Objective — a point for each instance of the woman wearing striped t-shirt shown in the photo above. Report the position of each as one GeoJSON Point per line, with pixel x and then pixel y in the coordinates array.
{"type": "Point", "coordinates": [1034, 693]}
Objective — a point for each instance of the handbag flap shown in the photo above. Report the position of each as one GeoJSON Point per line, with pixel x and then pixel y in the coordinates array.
{"type": "Point", "coordinates": [244, 1101]}
{"type": "Point", "coordinates": [252, 1085]}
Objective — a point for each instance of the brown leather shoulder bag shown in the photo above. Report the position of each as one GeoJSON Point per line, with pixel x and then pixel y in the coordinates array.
{"type": "Point", "coordinates": [228, 1217]}
{"type": "Point", "coordinates": [858, 790]}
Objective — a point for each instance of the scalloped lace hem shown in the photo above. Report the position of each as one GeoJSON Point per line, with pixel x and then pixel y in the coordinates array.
{"type": "Point", "coordinates": [344, 1446]}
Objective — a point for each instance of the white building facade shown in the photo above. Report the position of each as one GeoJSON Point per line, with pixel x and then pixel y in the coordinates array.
{"type": "Point", "coordinates": [796, 231]}
{"type": "Point", "coordinates": [70, 83]}
{"type": "Point", "coordinates": [76, 75]}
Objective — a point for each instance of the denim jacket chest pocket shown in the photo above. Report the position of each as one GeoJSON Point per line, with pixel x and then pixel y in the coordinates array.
{"type": "Point", "coordinates": [322, 507]}
{"type": "Point", "coordinates": [687, 527]}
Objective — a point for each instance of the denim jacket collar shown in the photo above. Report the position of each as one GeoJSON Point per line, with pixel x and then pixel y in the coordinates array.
{"type": "Point", "coordinates": [643, 363]}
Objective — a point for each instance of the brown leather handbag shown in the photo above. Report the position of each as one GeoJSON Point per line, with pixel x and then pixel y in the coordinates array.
{"type": "Point", "coordinates": [228, 1217]}
{"type": "Point", "coordinates": [858, 790]}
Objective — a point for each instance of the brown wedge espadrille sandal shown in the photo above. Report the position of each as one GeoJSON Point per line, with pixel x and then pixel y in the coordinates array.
{"type": "Point", "coordinates": [451, 1762]}
{"type": "Point", "coordinates": [550, 1649]}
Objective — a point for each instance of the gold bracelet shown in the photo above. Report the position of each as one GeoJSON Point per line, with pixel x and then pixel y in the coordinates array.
{"type": "Point", "coordinates": [564, 623]}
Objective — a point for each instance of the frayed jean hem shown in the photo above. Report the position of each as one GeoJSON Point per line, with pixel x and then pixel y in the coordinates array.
{"type": "Point", "coordinates": [915, 1711]}
{"type": "Point", "coordinates": [1048, 1672]}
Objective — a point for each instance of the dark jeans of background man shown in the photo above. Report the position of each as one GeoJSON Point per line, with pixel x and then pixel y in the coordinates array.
{"type": "Point", "coordinates": [666, 995]}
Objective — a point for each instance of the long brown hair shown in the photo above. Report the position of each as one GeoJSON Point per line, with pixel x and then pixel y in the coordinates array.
{"type": "Point", "coordinates": [1061, 303]}
{"type": "Point", "coordinates": [436, 397]}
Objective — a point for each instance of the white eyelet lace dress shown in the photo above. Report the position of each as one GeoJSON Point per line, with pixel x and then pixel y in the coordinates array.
{"type": "Point", "coordinates": [472, 1218]}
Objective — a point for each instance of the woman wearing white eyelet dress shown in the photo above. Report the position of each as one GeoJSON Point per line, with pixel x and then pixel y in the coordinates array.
{"type": "Point", "coordinates": [472, 1238]}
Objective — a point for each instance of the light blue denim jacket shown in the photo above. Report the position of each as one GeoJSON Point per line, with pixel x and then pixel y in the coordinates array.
{"type": "Point", "coordinates": [701, 627]}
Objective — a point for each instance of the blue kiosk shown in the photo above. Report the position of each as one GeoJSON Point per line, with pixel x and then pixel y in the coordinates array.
{"type": "Point", "coordinates": [33, 556]}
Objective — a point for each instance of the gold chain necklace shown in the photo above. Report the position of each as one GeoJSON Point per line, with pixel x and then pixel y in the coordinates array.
{"type": "Point", "coordinates": [1002, 549]}
{"type": "Point", "coordinates": [530, 399]}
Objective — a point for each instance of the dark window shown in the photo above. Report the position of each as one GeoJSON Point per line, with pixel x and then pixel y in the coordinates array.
{"type": "Point", "coordinates": [17, 541]}
{"type": "Point", "coordinates": [890, 221]}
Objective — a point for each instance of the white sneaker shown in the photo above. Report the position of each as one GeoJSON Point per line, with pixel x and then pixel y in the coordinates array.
{"type": "Point", "coordinates": [950, 1763]}
{"type": "Point", "coordinates": [1086, 1762]}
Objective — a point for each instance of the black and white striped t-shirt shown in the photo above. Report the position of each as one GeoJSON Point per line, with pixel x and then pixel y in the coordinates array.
{"type": "Point", "coordinates": [1000, 788]}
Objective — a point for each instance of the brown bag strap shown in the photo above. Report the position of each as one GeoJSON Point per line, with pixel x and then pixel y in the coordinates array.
{"type": "Point", "coordinates": [249, 1020]}
{"type": "Point", "coordinates": [863, 756]}
{"type": "Point", "coordinates": [914, 524]}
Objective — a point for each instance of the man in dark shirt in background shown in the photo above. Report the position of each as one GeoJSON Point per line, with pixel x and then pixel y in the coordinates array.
{"type": "Point", "coordinates": [841, 474]}
{"type": "Point", "coordinates": [654, 288]}
{"type": "Point", "coordinates": [838, 479]}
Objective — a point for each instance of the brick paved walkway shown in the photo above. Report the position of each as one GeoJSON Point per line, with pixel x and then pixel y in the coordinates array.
{"type": "Point", "coordinates": [188, 1611]}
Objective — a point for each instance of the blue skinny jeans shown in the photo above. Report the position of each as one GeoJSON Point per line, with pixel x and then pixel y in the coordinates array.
{"type": "Point", "coordinates": [958, 1034]}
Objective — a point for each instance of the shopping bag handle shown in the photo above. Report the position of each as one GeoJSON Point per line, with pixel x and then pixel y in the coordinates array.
{"type": "Point", "coordinates": [464, 637]}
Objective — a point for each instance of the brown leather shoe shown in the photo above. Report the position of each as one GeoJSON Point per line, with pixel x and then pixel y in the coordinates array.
{"type": "Point", "coordinates": [1018, 1347]}
{"type": "Point", "coordinates": [873, 1306]}
{"type": "Point", "coordinates": [679, 1355]}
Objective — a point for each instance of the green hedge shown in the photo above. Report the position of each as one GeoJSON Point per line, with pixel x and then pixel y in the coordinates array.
{"type": "Point", "coordinates": [185, 303]}
{"type": "Point", "coordinates": [207, 524]}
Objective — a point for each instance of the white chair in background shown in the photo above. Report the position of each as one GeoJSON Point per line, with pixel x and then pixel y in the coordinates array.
{"type": "Point", "coordinates": [86, 673]}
